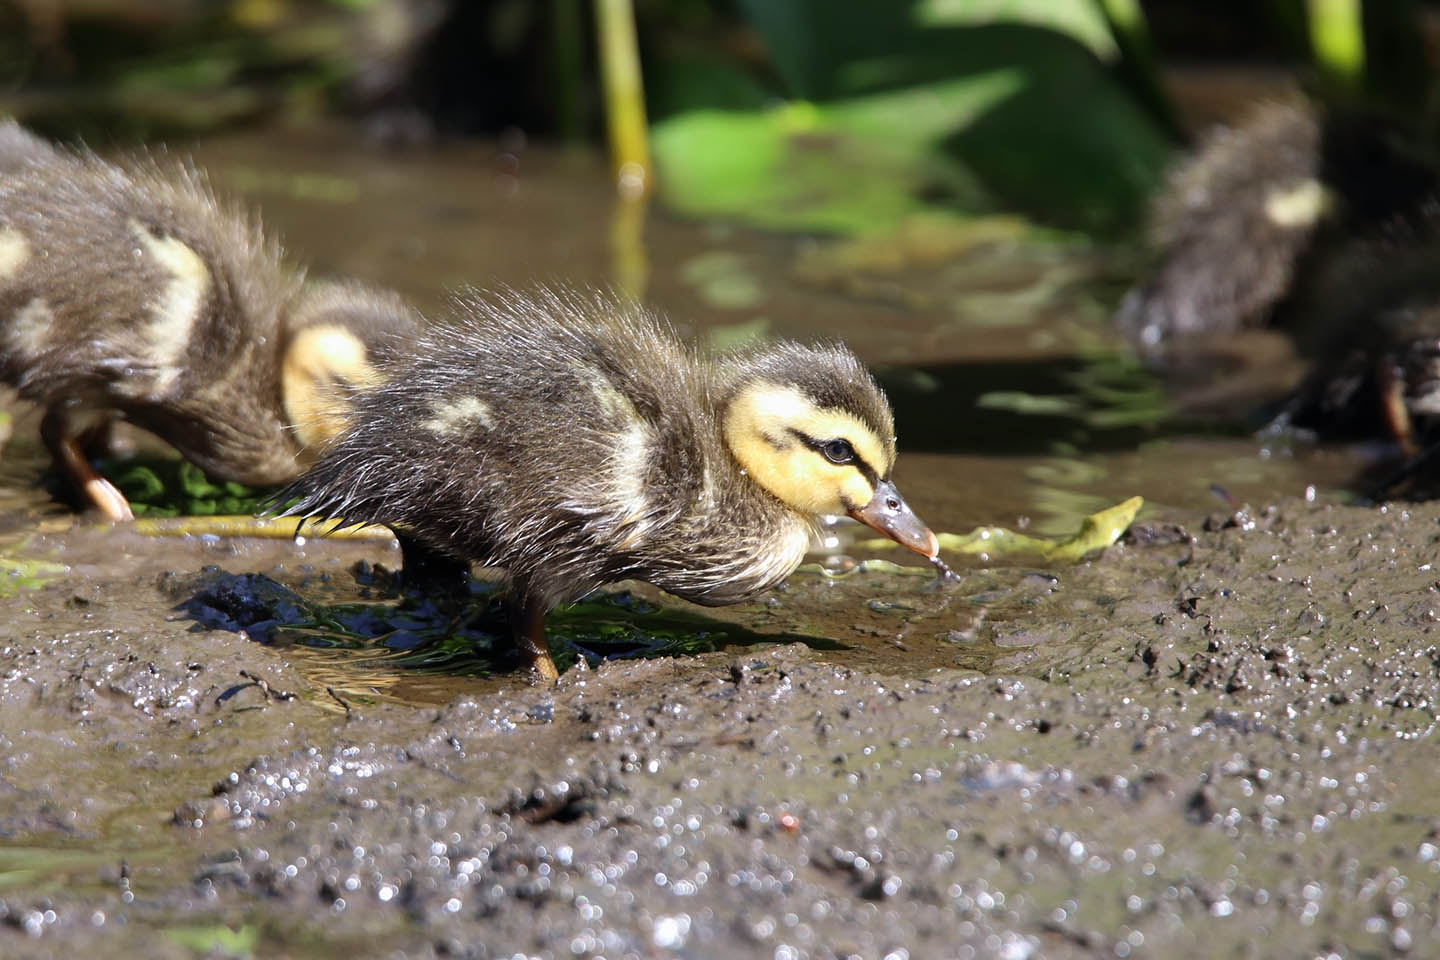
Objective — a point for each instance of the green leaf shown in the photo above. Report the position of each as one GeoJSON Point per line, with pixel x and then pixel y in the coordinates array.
{"type": "Point", "coordinates": [966, 106]}
{"type": "Point", "coordinates": [25, 573]}
{"type": "Point", "coordinates": [850, 167]}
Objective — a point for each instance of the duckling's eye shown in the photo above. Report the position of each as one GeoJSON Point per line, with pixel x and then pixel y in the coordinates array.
{"type": "Point", "coordinates": [838, 451]}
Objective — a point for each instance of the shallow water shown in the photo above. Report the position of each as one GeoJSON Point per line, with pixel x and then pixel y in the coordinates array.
{"type": "Point", "coordinates": [953, 324]}
{"type": "Point", "coordinates": [1196, 743]}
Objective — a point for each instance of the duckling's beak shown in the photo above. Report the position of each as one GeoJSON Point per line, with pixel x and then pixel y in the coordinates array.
{"type": "Point", "coordinates": [888, 512]}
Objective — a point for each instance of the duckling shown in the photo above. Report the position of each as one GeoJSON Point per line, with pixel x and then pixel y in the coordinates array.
{"type": "Point", "coordinates": [132, 291]}
{"type": "Point", "coordinates": [1372, 325]}
{"type": "Point", "coordinates": [573, 440]}
{"type": "Point", "coordinates": [1252, 212]}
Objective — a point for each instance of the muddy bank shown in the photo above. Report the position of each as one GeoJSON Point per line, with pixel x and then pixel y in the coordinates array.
{"type": "Point", "coordinates": [1205, 743]}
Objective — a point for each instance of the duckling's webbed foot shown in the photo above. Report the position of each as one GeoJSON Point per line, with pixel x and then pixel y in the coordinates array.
{"type": "Point", "coordinates": [1390, 384]}
{"type": "Point", "coordinates": [64, 442]}
{"type": "Point", "coordinates": [527, 618]}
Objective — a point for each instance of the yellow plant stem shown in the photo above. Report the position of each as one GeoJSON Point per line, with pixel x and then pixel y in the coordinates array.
{"type": "Point", "coordinates": [280, 528]}
{"type": "Point", "coordinates": [624, 96]}
{"type": "Point", "coordinates": [629, 263]}
{"type": "Point", "coordinates": [1337, 38]}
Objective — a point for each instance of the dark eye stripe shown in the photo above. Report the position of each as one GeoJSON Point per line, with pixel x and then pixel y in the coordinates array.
{"type": "Point", "coordinates": [858, 462]}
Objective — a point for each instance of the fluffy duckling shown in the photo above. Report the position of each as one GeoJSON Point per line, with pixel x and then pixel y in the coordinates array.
{"type": "Point", "coordinates": [571, 439]}
{"type": "Point", "coordinates": [1251, 212]}
{"type": "Point", "coordinates": [132, 291]}
{"type": "Point", "coordinates": [1371, 321]}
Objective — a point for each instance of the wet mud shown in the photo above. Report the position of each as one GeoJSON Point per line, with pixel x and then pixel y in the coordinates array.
{"type": "Point", "coordinates": [1207, 741]}
{"type": "Point", "coordinates": [1213, 738]}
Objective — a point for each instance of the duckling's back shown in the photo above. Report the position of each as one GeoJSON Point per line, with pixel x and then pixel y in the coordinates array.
{"type": "Point", "coordinates": [19, 147]}
{"type": "Point", "coordinates": [1231, 225]}
{"type": "Point", "coordinates": [133, 289]}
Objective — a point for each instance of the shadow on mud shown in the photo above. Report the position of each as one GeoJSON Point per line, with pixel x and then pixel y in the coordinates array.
{"type": "Point", "coordinates": [466, 636]}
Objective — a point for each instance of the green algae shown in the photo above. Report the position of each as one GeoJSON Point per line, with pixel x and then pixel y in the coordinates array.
{"type": "Point", "coordinates": [169, 488]}
{"type": "Point", "coordinates": [19, 572]}
{"type": "Point", "coordinates": [217, 939]}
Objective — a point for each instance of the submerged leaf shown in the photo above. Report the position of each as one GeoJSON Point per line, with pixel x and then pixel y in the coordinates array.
{"type": "Point", "coordinates": [23, 573]}
{"type": "Point", "coordinates": [1097, 531]}
{"type": "Point", "coordinates": [217, 939]}
{"type": "Point", "coordinates": [468, 633]}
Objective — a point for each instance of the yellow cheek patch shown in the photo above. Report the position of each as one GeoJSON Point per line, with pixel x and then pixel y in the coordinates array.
{"type": "Point", "coordinates": [757, 430]}
{"type": "Point", "coordinates": [767, 406]}
{"type": "Point", "coordinates": [856, 490]}
{"type": "Point", "coordinates": [14, 251]}
{"type": "Point", "coordinates": [321, 366]}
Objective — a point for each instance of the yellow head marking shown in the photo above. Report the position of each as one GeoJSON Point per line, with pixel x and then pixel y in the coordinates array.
{"type": "Point", "coordinates": [772, 431]}
{"type": "Point", "coordinates": [177, 307]}
{"type": "Point", "coordinates": [14, 251]}
{"type": "Point", "coordinates": [452, 416]}
{"type": "Point", "coordinates": [321, 366]}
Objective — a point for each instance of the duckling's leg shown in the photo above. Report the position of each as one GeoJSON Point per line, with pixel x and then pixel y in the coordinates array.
{"type": "Point", "coordinates": [527, 619]}
{"type": "Point", "coordinates": [58, 431]}
{"type": "Point", "coordinates": [100, 440]}
{"type": "Point", "coordinates": [426, 570]}
{"type": "Point", "coordinates": [1391, 387]}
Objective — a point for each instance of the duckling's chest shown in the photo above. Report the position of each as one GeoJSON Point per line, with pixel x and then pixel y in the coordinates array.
{"type": "Point", "coordinates": [725, 554]}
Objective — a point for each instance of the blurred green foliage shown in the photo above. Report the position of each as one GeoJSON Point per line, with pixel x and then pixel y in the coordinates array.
{"type": "Point", "coordinates": [895, 107]}
{"type": "Point", "coordinates": [216, 940]}
{"type": "Point", "coordinates": [820, 115]}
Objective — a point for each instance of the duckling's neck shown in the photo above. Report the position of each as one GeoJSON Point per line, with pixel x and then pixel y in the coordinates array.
{"type": "Point", "coordinates": [732, 538]}
{"type": "Point", "coordinates": [736, 540]}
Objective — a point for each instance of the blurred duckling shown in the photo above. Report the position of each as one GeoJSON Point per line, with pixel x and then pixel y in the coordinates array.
{"type": "Point", "coordinates": [571, 439]}
{"type": "Point", "coordinates": [131, 291]}
{"type": "Point", "coordinates": [1371, 323]}
{"type": "Point", "coordinates": [1249, 215]}
{"type": "Point", "coordinates": [1325, 226]}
